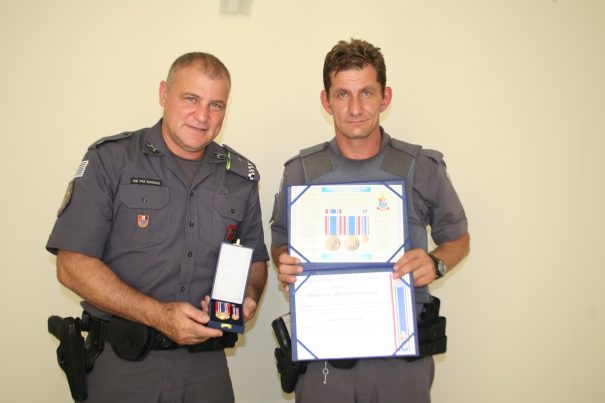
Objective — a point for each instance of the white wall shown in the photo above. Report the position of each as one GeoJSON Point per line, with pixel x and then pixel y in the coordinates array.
{"type": "Point", "coordinates": [513, 92]}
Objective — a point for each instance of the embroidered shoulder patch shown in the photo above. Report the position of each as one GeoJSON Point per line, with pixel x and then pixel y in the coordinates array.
{"type": "Point", "coordinates": [66, 198]}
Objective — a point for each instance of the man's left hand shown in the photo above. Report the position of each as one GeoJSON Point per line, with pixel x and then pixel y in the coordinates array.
{"type": "Point", "coordinates": [420, 264]}
{"type": "Point", "coordinates": [249, 308]}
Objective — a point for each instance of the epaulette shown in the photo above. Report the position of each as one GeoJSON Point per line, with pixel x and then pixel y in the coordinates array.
{"type": "Point", "coordinates": [313, 150]}
{"type": "Point", "coordinates": [434, 155]}
{"type": "Point", "coordinates": [291, 159]}
{"type": "Point", "coordinates": [116, 137]}
{"type": "Point", "coordinates": [240, 165]}
{"type": "Point", "coordinates": [408, 148]}
{"type": "Point", "coordinates": [307, 151]}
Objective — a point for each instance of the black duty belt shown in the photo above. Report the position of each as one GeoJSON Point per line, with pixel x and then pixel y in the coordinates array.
{"type": "Point", "coordinates": [132, 341]}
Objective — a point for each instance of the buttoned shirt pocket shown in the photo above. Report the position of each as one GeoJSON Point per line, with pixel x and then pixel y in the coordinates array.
{"type": "Point", "coordinates": [227, 214]}
{"type": "Point", "coordinates": [143, 215]}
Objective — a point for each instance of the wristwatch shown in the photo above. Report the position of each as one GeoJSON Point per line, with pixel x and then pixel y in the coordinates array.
{"type": "Point", "coordinates": [440, 268]}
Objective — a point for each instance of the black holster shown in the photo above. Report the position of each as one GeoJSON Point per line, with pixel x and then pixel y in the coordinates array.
{"type": "Point", "coordinates": [288, 370]}
{"type": "Point", "coordinates": [75, 357]}
{"type": "Point", "coordinates": [431, 331]}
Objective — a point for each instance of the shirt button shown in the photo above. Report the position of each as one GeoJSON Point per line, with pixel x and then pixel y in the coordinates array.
{"type": "Point", "coordinates": [182, 289]}
{"type": "Point", "coordinates": [189, 254]}
{"type": "Point", "coordinates": [191, 193]}
{"type": "Point", "coordinates": [191, 223]}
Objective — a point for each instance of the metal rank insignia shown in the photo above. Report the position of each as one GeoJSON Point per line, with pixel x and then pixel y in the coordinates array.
{"type": "Point", "coordinates": [222, 310]}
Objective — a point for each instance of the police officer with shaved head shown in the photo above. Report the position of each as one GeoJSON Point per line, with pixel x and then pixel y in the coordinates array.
{"type": "Point", "coordinates": [138, 237]}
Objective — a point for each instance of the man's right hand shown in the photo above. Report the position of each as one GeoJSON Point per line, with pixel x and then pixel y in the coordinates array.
{"type": "Point", "coordinates": [185, 324]}
{"type": "Point", "coordinates": [95, 282]}
{"type": "Point", "coordinates": [287, 266]}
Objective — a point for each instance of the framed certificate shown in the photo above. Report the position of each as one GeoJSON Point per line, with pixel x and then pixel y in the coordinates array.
{"type": "Point", "coordinates": [346, 303]}
{"type": "Point", "coordinates": [347, 224]}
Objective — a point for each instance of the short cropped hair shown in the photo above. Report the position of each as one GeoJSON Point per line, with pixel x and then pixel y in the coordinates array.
{"type": "Point", "coordinates": [355, 54]}
{"type": "Point", "coordinates": [209, 64]}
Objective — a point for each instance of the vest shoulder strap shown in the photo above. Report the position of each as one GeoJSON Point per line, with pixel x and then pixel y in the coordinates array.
{"type": "Point", "coordinates": [399, 157]}
{"type": "Point", "coordinates": [315, 161]}
{"type": "Point", "coordinates": [398, 160]}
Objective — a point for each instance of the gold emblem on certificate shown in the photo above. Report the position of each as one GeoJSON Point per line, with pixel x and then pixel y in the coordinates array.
{"type": "Point", "coordinates": [383, 203]}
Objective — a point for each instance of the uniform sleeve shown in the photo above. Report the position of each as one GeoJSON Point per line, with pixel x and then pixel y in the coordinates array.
{"type": "Point", "coordinates": [279, 225]}
{"type": "Point", "coordinates": [442, 208]}
{"type": "Point", "coordinates": [252, 227]}
{"type": "Point", "coordinates": [293, 175]}
{"type": "Point", "coordinates": [85, 218]}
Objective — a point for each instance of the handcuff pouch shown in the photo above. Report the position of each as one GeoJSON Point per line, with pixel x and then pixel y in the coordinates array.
{"type": "Point", "coordinates": [129, 340]}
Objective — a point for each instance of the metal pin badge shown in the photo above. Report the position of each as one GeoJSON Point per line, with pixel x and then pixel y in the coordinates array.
{"type": "Point", "coordinates": [218, 156]}
{"type": "Point", "coordinates": [152, 148]}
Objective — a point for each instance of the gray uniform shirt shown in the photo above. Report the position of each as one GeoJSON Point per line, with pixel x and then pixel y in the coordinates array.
{"type": "Point", "coordinates": [132, 207]}
{"type": "Point", "coordinates": [434, 201]}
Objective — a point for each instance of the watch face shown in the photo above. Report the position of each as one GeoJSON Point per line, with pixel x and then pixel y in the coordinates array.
{"type": "Point", "coordinates": [439, 266]}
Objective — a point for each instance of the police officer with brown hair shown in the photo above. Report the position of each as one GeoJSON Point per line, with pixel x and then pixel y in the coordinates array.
{"type": "Point", "coordinates": [138, 237]}
{"type": "Point", "coordinates": [355, 94]}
